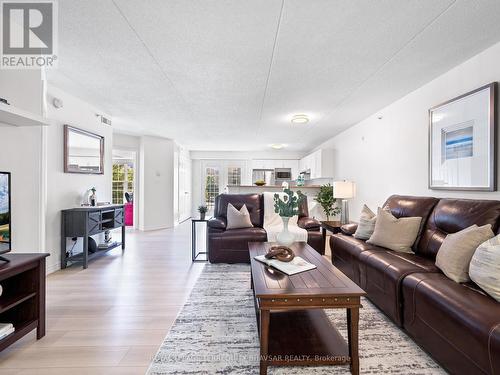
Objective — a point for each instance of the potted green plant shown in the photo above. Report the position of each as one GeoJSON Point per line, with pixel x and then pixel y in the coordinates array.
{"type": "Point", "coordinates": [327, 201]}
{"type": "Point", "coordinates": [202, 210]}
{"type": "Point", "coordinates": [287, 207]}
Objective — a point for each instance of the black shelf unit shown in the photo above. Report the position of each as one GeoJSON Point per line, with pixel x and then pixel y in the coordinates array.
{"type": "Point", "coordinates": [85, 222]}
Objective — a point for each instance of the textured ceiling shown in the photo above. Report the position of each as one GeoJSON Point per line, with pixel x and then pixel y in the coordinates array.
{"type": "Point", "coordinates": [228, 74]}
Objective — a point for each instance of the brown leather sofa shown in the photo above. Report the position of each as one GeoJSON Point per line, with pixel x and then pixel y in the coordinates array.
{"type": "Point", "coordinates": [458, 324]}
{"type": "Point", "coordinates": [231, 246]}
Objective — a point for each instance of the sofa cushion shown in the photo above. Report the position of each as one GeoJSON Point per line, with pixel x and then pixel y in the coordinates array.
{"type": "Point", "coordinates": [484, 267]}
{"type": "Point", "coordinates": [381, 275]}
{"type": "Point", "coordinates": [366, 225]}
{"type": "Point", "coordinates": [453, 215]}
{"type": "Point", "coordinates": [238, 218]}
{"type": "Point", "coordinates": [410, 206]}
{"type": "Point", "coordinates": [345, 254]}
{"type": "Point", "coordinates": [459, 326]}
{"type": "Point", "coordinates": [253, 202]}
{"type": "Point", "coordinates": [398, 234]}
{"type": "Point", "coordinates": [457, 249]}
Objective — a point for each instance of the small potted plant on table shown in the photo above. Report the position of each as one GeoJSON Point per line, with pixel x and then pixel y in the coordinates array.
{"type": "Point", "coordinates": [202, 210]}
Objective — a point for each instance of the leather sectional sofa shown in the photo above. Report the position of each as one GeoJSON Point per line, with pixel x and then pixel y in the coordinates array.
{"type": "Point", "coordinates": [458, 324]}
{"type": "Point", "coordinates": [231, 246]}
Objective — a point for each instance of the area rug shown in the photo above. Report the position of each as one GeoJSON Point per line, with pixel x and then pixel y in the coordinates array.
{"type": "Point", "coordinates": [216, 333]}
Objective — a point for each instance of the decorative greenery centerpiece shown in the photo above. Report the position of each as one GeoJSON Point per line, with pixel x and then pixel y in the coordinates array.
{"type": "Point", "coordinates": [202, 210]}
{"type": "Point", "coordinates": [327, 201]}
{"type": "Point", "coordinates": [287, 207]}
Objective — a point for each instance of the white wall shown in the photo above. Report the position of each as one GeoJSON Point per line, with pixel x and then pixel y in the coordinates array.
{"type": "Point", "coordinates": [247, 155]}
{"type": "Point", "coordinates": [126, 142]}
{"type": "Point", "coordinates": [65, 190]}
{"type": "Point", "coordinates": [390, 156]}
{"type": "Point", "coordinates": [156, 183]}
{"type": "Point", "coordinates": [21, 154]}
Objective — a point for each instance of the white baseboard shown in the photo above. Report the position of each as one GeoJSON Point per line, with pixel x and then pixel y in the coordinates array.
{"type": "Point", "coordinates": [51, 268]}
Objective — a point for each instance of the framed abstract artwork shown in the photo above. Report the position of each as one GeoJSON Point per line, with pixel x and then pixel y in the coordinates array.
{"type": "Point", "coordinates": [462, 142]}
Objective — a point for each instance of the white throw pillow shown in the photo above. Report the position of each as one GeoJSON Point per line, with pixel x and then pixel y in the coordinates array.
{"type": "Point", "coordinates": [457, 249]}
{"type": "Point", "coordinates": [393, 233]}
{"type": "Point", "coordinates": [238, 219]}
{"type": "Point", "coordinates": [484, 267]}
{"type": "Point", "coordinates": [366, 224]}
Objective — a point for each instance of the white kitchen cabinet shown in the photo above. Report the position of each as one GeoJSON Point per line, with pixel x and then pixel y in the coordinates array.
{"type": "Point", "coordinates": [275, 163]}
{"type": "Point", "coordinates": [319, 163]}
{"type": "Point", "coordinates": [262, 164]}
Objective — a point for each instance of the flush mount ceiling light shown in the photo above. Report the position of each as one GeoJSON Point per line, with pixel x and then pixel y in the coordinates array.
{"type": "Point", "coordinates": [277, 146]}
{"type": "Point", "coordinates": [300, 119]}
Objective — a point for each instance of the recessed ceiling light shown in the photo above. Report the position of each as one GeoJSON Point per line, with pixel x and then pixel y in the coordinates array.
{"type": "Point", "coordinates": [300, 119]}
{"type": "Point", "coordinates": [277, 146]}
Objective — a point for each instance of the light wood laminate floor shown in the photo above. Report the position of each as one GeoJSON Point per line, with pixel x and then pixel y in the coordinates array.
{"type": "Point", "coordinates": [112, 317]}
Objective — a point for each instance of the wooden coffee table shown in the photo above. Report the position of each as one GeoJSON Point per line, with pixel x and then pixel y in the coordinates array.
{"type": "Point", "coordinates": [294, 329]}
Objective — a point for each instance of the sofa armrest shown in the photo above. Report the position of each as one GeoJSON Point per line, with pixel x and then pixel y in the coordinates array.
{"type": "Point", "coordinates": [308, 223]}
{"type": "Point", "coordinates": [349, 229]}
{"type": "Point", "coordinates": [217, 223]}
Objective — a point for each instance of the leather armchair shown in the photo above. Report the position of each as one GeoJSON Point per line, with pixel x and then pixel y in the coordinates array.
{"type": "Point", "coordinates": [231, 246]}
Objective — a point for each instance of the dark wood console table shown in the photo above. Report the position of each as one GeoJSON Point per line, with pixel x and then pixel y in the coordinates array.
{"type": "Point", "coordinates": [22, 302]}
{"type": "Point", "coordinates": [85, 222]}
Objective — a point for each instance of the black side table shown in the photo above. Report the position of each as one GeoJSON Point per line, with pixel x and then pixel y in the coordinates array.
{"type": "Point", "coordinates": [194, 253]}
{"type": "Point", "coordinates": [332, 226]}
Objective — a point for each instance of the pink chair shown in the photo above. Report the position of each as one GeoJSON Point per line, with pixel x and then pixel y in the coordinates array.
{"type": "Point", "coordinates": [129, 214]}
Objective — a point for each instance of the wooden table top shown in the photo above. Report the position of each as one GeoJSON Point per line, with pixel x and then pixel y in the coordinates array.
{"type": "Point", "coordinates": [324, 281]}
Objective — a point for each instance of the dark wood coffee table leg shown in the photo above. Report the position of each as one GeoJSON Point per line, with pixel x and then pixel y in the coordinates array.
{"type": "Point", "coordinates": [264, 340]}
{"type": "Point", "coordinates": [352, 334]}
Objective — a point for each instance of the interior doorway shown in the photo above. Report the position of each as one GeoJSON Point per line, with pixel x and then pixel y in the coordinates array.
{"type": "Point", "coordinates": [124, 183]}
{"type": "Point", "coordinates": [216, 176]}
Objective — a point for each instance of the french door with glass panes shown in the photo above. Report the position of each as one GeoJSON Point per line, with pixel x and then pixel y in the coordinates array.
{"type": "Point", "coordinates": [217, 175]}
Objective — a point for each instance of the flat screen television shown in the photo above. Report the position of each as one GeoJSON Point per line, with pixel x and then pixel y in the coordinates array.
{"type": "Point", "coordinates": [5, 210]}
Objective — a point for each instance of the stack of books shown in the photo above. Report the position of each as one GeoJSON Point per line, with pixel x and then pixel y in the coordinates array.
{"type": "Point", "coordinates": [297, 265]}
{"type": "Point", "coordinates": [6, 329]}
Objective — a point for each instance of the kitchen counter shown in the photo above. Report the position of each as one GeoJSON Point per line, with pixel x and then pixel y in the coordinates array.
{"type": "Point", "coordinates": [277, 186]}
{"type": "Point", "coordinates": [309, 190]}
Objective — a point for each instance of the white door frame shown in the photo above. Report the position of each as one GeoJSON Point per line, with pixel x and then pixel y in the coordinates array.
{"type": "Point", "coordinates": [136, 181]}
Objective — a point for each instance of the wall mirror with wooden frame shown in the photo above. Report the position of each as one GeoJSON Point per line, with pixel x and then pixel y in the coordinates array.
{"type": "Point", "coordinates": [83, 151]}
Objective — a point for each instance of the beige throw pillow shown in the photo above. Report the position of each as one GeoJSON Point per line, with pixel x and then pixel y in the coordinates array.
{"type": "Point", "coordinates": [393, 233]}
{"type": "Point", "coordinates": [457, 249]}
{"type": "Point", "coordinates": [484, 267]}
{"type": "Point", "coordinates": [366, 224]}
{"type": "Point", "coordinates": [238, 219]}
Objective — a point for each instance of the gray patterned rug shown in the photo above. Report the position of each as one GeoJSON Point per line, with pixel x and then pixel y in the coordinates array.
{"type": "Point", "coordinates": [216, 333]}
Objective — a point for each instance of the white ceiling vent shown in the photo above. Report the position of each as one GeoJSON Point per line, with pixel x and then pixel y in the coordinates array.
{"type": "Point", "coordinates": [104, 120]}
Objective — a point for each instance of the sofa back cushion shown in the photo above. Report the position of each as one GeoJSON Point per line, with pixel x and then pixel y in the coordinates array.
{"type": "Point", "coordinates": [452, 216]}
{"type": "Point", "coordinates": [254, 203]}
{"type": "Point", "coordinates": [410, 206]}
{"type": "Point", "coordinates": [303, 208]}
